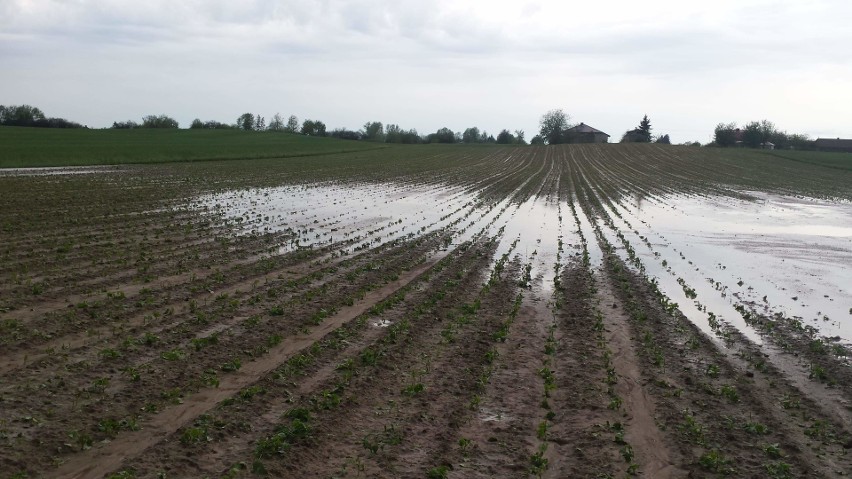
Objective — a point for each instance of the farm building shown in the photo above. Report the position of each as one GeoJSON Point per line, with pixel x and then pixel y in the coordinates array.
{"type": "Point", "coordinates": [584, 133]}
{"type": "Point", "coordinates": [634, 136]}
{"type": "Point", "coordinates": [833, 144]}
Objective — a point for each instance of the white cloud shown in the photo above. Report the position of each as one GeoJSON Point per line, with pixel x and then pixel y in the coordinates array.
{"type": "Point", "coordinates": [495, 64]}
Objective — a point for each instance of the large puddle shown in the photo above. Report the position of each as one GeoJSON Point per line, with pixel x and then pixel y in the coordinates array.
{"type": "Point", "coordinates": [776, 254]}
{"type": "Point", "coordinates": [359, 216]}
{"type": "Point", "coordinates": [362, 215]}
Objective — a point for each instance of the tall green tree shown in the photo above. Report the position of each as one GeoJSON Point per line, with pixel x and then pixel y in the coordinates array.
{"type": "Point", "coordinates": [20, 115]}
{"type": "Point", "coordinates": [245, 122]}
{"type": "Point", "coordinates": [443, 135]}
{"type": "Point", "coordinates": [292, 124]}
{"type": "Point", "coordinates": [725, 135]}
{"type": "Point", "coordinates": [552, 126]}
{"type": "Point", "coordinates": [313, 128]}
{"type": "Point", "coordinates": [752, 136]}
{"type": "Point", "coordinates": [645, 129]}
{"type": "Point", "coordinates": [505, 138]}
{"type": "Point", "coordinates": [471, 135]}
{"type": "Point", "coordinates": [159, 121]}
{"type": "Point", "coordinates": [374, 131]}
{"type": "Point", "coordinates": [276, 124]}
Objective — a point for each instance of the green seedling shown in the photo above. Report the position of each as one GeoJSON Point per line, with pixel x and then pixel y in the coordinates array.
{"type": "Point", "coordinates": [413, 389]}
{"type": "Point", "coordinates": [772, 450]}
{"type": "Point", "coordinates": [730, 393]}
{"type": "Point", "coordinates": [778, 470]}
{"type": "Point", "coordinates": [715, 461]}
{"type": "Point", "coordinates": [439, 472]}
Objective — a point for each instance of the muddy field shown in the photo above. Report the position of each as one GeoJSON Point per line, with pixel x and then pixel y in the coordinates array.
{"type": "Point", "coordinates": [575, 311]}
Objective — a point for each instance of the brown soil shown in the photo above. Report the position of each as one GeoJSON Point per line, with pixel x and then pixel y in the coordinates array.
{"type": "Point", "coordinates": [715, 414]}
{"type": "Point", "coordinates": [145, 336]}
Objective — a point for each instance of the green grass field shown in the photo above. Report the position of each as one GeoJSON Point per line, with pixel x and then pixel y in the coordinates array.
{"type": "Point", "coordinates": [37, 147]}
{"type": "Point", "coordinates": [40, 147]}
{"type": "Point", "coordinates": [839, 161]}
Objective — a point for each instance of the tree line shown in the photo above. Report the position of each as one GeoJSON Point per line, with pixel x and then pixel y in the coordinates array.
{"type": "Point", "coordinates": [26, 115]}
{"type": "Point", "coordinates": [758, 134]}
{"type": "Point", "coordinates": [554, 128]}
{"type": "Point", "coordinates": [371, 131]}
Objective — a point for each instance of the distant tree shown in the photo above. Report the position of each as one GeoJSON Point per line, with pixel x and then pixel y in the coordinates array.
{"type": "Point", "coordinates": [125, 125]}
{"type": "Point", "coordinates": [26, 115]}
{"type": "Point", "coordinates": [725, 135]}
{"type": "Point", "coordinates": [800, 142]}
{"type": "Point", "coordinates": [277, 123]}
{"type": "Point", "coordinates": [537, 140]}
{"type": "Point", "coordinates": [471, 135]}
{"type": "Point", "coordinates": [345, 134]}
{"type": "Point", "coordinates": [752, 135]}
{"type": "Point", "coordinates": [313, 128]}
{"type": "Point", "coordinates": [245, 121]}
{"type": "Point", "coordinates": [159, 121]}
{"type": "Point", "coordinates": [196, 124]}
{"type": "Point", "coordinates": [292, 124]}
{"type": "Point", "coordinates": [552, 126]}
{"type": "Point", "coordinates": [259, 123]}
{"type": "Point", "coordinates": [505, 138]}
{"type": "Point", "coordinates": [519, 137]}
{"type": "Point", "coordinates": [395, 134]}
{"type": "Point", "coordinates": [645, 130]}
{"type": "Point", "coordinates": [216, 125]}
{"type": "Point", "coordinates": [767, 130]}
{"type": "Point", "coordinates": [57, 123]}
{"type": "Point", "coordinates": [374, 131]}
{"type": "Point", "coordinates": [443, 135]}
{"type": "Point", "coordinates": [664, 140]}
{"type": "Point", "coordinates": [20, 115]}
{"type": "Point", "coordinates": [780, 139]}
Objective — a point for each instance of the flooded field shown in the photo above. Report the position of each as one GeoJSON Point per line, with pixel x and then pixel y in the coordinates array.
{"type": "Point", "coordinates": [573, 311]}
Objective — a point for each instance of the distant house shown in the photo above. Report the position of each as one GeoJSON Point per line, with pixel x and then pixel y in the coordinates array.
{"type": "Point", "coordinates": [833, 144]}
{"type": "Point", "coordinates": [584, 133]}
{"type": "Point", "coordinates": [634, 136]}
{"type": "Point", "coordinates": [768, 145]}
{"type": "Point", "coordinates": [738, 137]}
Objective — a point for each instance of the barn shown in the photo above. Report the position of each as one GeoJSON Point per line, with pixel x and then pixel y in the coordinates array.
{"type": "Point", "coordinates": [833, 144]}
{"type": "Point", "coordinates": [584, 133]}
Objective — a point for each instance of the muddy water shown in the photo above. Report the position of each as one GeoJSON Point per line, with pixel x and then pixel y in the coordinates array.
{"type": "Point", "coordinates": [535, 225]}
{"type": "Point", "coordinates": [777, 254]}
{"type": "Point", "coordinates": [369, 214]}
{"type": "Point", "coordinates": [664, 264]}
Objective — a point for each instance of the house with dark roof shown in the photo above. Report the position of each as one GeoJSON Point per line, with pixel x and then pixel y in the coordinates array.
{"type": "Point", "coordinates": [635, 136]}
{"type": "Point", "coordinates": [833, 144]}
{"type": "Point", "coordinates": [584, 133]}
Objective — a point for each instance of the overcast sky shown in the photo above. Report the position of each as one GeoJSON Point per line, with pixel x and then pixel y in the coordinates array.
{"type": "Point", "coordinates": [426, 65]}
